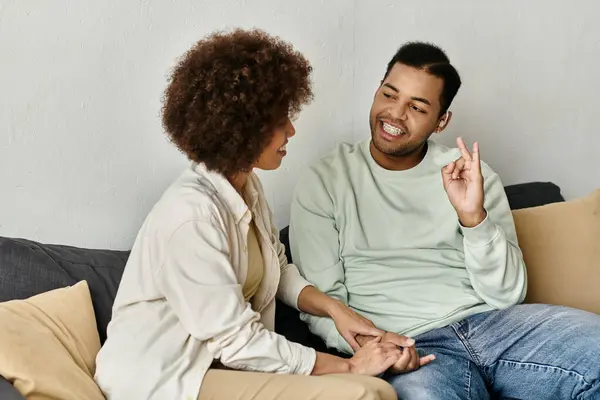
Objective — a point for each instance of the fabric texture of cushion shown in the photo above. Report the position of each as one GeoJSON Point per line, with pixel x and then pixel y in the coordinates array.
{"type": "Point", "coordinates": [532, 194]}
{"type": "Point", "coordinates": [560, 244]}
{"type": "Point", "coordinates": [49, 343]}
{"type": "Point", "coordinates": [28, 268]}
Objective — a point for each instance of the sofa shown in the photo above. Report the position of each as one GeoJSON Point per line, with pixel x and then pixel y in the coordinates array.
{"type": "Point", "coordinates": [560, 271]}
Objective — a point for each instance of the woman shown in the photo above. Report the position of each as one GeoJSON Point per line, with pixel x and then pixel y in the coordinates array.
{"type": "Point", "coordinates": [196, 303]}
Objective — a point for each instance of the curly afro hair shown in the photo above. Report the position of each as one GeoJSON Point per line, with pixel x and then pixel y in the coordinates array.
{"type": "Point", "coordinates": [229, 92]}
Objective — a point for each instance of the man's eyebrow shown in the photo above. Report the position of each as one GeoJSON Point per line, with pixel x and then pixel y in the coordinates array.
{"type": "Point", "coordinates": [422, 100]}
{"type": "Point", "coordinates": [391, 87]}
{"type": "Point", "coordinates": [419, 99]}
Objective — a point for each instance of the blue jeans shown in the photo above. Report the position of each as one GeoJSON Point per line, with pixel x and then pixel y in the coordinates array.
{"type": "Point", "coordinates": [529, 351]}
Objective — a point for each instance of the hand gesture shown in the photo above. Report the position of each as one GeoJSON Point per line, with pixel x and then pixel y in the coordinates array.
{"type": "Point", "coordinates": [463, 183]}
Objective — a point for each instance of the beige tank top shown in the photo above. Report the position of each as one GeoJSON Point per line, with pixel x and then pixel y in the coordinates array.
{"type": "Point", "coordinates": [255, 264]}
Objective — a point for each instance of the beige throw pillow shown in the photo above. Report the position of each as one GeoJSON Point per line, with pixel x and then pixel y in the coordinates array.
{"type": "Point", "coordinates": [48, 344]}
{"type": "Point", "coordinates": [561, 247]}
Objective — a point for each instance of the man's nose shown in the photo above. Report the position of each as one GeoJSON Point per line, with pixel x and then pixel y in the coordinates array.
{"type": "Point", "coordinates": [399, 111]}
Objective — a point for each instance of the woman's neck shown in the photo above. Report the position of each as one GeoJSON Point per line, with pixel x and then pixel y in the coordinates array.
{"type": "Point", "coordinates": [239, 180]}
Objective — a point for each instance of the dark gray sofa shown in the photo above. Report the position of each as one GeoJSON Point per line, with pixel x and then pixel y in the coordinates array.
{"type": "Point", "coordinates": [28, 268]}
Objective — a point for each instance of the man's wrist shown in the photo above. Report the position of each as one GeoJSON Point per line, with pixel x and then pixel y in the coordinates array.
{"type": "Point", "coordinates": [472, 219]}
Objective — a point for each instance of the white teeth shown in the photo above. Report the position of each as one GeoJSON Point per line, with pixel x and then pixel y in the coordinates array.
{"type": "Point", "coordinates": [392, 130]}
{"type": "Point", "coordinates": [282, 148]}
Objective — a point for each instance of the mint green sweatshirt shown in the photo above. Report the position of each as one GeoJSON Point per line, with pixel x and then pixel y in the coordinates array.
{"type": "Point", "coordinates": [389, 244]}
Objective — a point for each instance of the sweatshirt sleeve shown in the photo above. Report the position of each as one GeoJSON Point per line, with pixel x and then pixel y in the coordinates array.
{"type": "Point", "coordinates": [200, 285]}
{"type": "Point", "coordinates": [314, 245]}
{"type": "Point", "coordinates": [492, 256]}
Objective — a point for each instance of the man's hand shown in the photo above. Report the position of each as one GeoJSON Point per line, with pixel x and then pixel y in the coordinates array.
{"type": "Point", "coordinates": [463, 183]}
{"type": "Point", "coordinates": [409, 360]}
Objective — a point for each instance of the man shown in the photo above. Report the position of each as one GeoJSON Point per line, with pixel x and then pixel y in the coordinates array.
{"type": "Point", "coordinates": [419, 239]}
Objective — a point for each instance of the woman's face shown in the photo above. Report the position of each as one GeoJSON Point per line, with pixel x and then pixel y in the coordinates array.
{"type": "Point", "coordinates": [273, 154]}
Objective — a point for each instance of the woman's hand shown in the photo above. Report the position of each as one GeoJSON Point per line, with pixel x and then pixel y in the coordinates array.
{"type": "Point", "coordinates": [374, 358]}
{"type": "Point", "coordinates": [350, 324]}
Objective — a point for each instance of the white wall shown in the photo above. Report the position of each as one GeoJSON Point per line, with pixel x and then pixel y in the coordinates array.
{"type": "Point", "coordinates": [82, 154]}
{"type": "Point", "coordinates": [530, 72]}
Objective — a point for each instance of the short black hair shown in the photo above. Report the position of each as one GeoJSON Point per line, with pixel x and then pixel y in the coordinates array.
{"type": "Point", "coordinates": [433, 60]}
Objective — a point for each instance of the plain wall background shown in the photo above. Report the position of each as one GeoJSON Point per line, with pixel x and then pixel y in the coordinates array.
{"type": "Point", "coordinates": [530, 72]}
{"type": "Point", "coordinates": [82, 153]}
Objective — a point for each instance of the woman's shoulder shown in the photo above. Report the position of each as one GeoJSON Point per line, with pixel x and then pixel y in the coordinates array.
{"type": "Point", "coordinates": [190, 197]}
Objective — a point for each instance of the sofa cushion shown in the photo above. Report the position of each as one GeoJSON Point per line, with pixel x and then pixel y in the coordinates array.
{"type": "Point", "coordinates": [28, 268]}
{"type": "Point", "coordinates": [49, 343]}
{"type": "Point", "coordinates": [560, 244]}
{"type": "Point", "coordinates": [532, 194]}
{"type": "Point", "coordinates": [8, 391]}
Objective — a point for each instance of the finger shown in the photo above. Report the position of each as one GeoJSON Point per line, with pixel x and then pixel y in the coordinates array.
{"type": "Point", "coordinates": [402, 364]}
{"type": "Point", "coordinates": [400, 340]}
{"type": "Point", "coordinates": [373, 341]}
{"type": "Point", "coordinates": [448, 169]}
{"type": "Point", "coordinates": [352, 342]}
{"type": "Point", "coordinates": [464, 151]}
{"type": "Point", "coordinates": [427, 359]}
{"type": "Point", "coordinates": [389, 346]}
{"type": "Point", "coordinates": [447, 174]}
{"type": "Point", "coordinates": [414, 359]}
{"type": "Point", "coordinates": [461, 165]}
{"type": "Point", "coordinates": [391, 360]}
{"type": "Point", "coordinates": [476, 157]}
{"type": "Point", "coordinates": [369, 331]}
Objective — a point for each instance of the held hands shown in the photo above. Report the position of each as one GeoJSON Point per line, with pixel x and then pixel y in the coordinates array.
{"type": "Point", "coordinates": [374, 358]}
{"type": "Point", "coordinates": [350, 324]}
{"type": "Point", "coordinates": [409, 359]}
{"type": "Point", "coordinates": [463, 183]}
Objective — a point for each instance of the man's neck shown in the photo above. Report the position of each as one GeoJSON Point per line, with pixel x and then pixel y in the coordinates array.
{"type": "Point", "coordinates": [398, 163]}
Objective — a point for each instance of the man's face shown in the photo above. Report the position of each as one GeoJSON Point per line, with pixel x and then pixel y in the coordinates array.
{"type": "Point", "coordinates": [405, 110]}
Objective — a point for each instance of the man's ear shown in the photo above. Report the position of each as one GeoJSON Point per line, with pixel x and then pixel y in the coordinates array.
{"type": "Point", "coordinates": [444, 121]}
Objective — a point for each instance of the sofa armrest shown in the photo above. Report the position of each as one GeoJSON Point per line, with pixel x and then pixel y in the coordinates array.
{"type": "Point", "coordinates": [8, 391]}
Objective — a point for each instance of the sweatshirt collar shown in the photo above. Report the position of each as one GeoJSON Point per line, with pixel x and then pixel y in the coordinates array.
{"type": "Point", "coordinates": [417, 170]}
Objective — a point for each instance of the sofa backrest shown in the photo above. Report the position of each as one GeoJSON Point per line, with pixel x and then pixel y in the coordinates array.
{"type": "Point", "coordinates": [28, 268]}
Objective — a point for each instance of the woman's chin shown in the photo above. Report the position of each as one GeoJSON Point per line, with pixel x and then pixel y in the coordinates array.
{"type": "Point", "coordinates": [274, 164]}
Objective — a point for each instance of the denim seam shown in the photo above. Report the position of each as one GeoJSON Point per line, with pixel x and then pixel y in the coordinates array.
{"type": "Point", "coordinates": [468, 376]}
{"type": "Point", "coordinates": [463, 339]}
{"type": "Point", "coordinates": [543, 366]}
{"type": "Point", "coordinates": [466, 343]}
